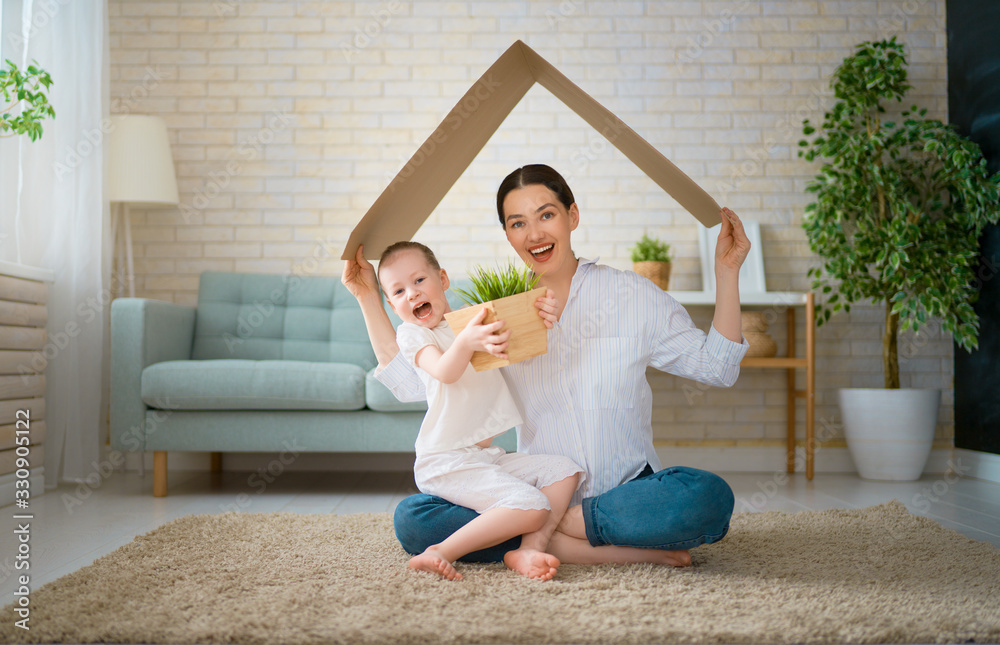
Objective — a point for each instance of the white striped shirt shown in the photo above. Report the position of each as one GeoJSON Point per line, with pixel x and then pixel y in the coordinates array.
{"type": "Point", "coordinates": [587, 398]}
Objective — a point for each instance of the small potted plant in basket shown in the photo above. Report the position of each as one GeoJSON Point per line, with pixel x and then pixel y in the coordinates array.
{"type": "Point", "coordinates": [651, 259]}
{"type": "Point", "coordinates": [509, 293]}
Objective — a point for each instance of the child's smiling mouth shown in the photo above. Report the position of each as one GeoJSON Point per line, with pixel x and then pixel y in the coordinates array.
{"type": "Point", "coordinates": [422, 311]}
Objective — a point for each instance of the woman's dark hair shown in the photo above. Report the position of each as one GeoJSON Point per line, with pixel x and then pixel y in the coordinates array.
{"type": "Point", "coordinates": [530, 175]}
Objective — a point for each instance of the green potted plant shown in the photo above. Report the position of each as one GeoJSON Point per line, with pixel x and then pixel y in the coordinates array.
{"type": "Point", "coordinates": [24, 89]}
{"type": "Point", "coordinates": [899, 206]}
{"type": "Point", "coordinates": [651, 258]}
{"type": "Point", "coordinates": [509, 293]}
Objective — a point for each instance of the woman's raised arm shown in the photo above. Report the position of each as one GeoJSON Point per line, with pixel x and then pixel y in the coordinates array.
{"type": "Point", "coordinates": [359, 278]}
{"type": "Point", "coordinates": [730, 252]}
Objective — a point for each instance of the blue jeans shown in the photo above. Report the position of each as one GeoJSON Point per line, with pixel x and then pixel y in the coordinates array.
{"type": "Point", "coordinates": [675, 508]}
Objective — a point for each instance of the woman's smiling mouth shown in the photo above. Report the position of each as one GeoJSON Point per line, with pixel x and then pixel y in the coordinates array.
{"type": "Point", "coordinates": [543, 252]}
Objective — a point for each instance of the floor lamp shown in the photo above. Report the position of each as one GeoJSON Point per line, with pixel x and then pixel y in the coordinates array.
{"type": "Point", "coordinates": [140, 173]}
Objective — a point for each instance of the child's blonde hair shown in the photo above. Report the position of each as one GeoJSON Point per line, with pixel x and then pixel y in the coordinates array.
{"type": "Point", "coordinates": [393, 250]}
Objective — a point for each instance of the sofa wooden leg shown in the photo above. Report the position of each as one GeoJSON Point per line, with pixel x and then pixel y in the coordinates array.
{"type": "Point", "coordinates": [159, 473]}
{"type": "Point", "coordinates": [216, 462]}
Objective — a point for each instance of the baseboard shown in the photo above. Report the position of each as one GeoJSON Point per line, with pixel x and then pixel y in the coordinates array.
{"type": "Point", "coordinates": [8, 485]}
{"type": "Point", "coordinates": [980, 465]}
{"type": "Point", "coordinates": [754, 459]}
{"type": "Point", "coordinates": [767, 459]}
{"type": "Point", "coordinates": [304, 462]}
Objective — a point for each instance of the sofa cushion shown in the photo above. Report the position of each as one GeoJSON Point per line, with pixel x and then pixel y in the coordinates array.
{"type": "Point", "coordinates": [253, 385]}
{"type": "Point", "coordinates": [273, 317]}
{"type": "Point", "coordinates": [381, 399]}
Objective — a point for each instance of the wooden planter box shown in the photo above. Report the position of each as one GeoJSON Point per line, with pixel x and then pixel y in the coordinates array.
{"type": "Point", "coordinates": [529, 335]}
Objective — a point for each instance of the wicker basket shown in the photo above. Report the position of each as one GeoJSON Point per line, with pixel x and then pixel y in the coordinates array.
{"type": "Point", "coordinates": [754, 326]}
{"type": "Point", "coordinates": [658, 272]}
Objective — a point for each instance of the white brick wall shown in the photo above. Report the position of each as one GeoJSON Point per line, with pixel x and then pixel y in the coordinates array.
{"type": "Point", "coordinates": [288, 118]}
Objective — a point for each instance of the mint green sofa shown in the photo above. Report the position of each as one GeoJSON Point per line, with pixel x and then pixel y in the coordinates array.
{"type": "Point", "coordinates": [262, 364]}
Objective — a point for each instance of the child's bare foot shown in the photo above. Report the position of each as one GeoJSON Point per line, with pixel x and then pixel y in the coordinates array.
{"type": "Point", "coordinates": [433, 562]}
{"type": "Point", "coordinates": [532, 563]}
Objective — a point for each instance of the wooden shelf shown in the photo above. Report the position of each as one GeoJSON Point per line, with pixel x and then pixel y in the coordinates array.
{"type": "Point", "coordinates": [790, 362]}
{"type": "Point", "coordinates": [775, 362]}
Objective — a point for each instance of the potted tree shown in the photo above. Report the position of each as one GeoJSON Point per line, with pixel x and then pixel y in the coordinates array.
{"type": "Point", "coordinates": [899, 206]}
{"type": "Point", "coordinates": [509, 293]}
{"type": "Point", "coordinates": [651, 259]}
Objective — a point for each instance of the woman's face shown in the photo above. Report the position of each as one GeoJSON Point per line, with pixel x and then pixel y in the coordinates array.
{"type": "Point", "coordinates": [538, 226]}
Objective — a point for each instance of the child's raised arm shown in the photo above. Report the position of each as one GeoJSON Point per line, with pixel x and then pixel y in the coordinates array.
{"type": "Point", "coordinates": [448, 366]}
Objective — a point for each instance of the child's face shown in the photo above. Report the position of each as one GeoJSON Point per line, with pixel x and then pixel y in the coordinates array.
{"type": "Point", "coordinates": [415, 289]}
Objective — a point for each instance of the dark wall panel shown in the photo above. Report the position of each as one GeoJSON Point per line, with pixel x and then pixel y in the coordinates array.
{"type": "Point", "coordinates": [974, 108]}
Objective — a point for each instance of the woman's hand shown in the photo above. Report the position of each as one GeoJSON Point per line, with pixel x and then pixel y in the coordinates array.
{"type": "Point", "coordinates": [733, 245]}
{"type": "Point", "coordinates": [359, 276]}
{"type": "Point", "coordinates": [485, 338]}
{"type": "Point", "coordinates": [548, 308]}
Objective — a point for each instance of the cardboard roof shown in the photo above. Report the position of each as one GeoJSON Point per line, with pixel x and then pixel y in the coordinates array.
{"type": "Point", "coordinates": [408, 200]}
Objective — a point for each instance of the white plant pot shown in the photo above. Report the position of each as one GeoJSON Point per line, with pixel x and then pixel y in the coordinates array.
{"type": "Point", "coordinates": [890, 432]}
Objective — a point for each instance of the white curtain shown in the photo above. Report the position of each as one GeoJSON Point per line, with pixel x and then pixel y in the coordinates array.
{"type": "Point", "coordinates": [53, 215]}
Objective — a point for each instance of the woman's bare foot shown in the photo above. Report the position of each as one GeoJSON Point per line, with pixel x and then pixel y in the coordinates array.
{"type": "Point", "coordinates": [572, 523]}
{"type": "Point", "coordinates": [674, 558]}
{"type": "Point", "coordinates": [532, 563]}
{"type": "Point", "coordinates": [433, 562]}
{"type": "Point", "coordinates": [572, 550]}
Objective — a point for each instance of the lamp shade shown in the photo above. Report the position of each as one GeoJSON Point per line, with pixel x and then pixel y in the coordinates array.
{"type": "Point", "coordinates": [140, 166]}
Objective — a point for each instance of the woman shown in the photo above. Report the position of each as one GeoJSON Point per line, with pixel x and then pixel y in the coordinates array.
{"type": "Point", "coordinates": [587, 398]}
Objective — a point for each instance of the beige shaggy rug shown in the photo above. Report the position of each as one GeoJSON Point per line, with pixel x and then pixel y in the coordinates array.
{"type": "Point", "coordinates": [873, 575]}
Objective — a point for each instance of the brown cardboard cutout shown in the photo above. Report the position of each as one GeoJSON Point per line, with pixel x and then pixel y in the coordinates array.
{"type": "Point", "coordinates": [428, 176]}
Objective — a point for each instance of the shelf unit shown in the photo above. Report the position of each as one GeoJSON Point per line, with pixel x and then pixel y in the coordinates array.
{"type": "Point", "coordinates": [24, 294]}
{"type": "Point", "coordinates": [790, 362]}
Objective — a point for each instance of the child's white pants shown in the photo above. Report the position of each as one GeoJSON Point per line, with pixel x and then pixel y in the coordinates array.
{"type": "Point", "coordinates": [487, 478]}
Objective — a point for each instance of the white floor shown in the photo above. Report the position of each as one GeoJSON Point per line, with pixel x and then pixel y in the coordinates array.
{"type": "Point", "coordinates": [73, 526]}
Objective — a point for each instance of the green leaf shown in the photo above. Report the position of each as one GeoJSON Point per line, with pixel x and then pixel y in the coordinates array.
{"type": "Point", "coordinates": [648, 249]}
{"type": "Point", "coordinates": [495, 283]}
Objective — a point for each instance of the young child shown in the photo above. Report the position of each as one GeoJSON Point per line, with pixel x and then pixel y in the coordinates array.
{"type": "Point", "coordinates": [514, 494]}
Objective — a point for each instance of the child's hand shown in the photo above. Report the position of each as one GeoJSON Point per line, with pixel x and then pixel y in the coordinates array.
{"type": "Point", "coordinates": [547, 306]}
{"type": "Point", "coordinates": [485, 338]}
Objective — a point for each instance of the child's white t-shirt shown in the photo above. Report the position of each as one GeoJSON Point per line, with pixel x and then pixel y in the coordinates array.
{"type": "Point", "coordinates": [475, 407]}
